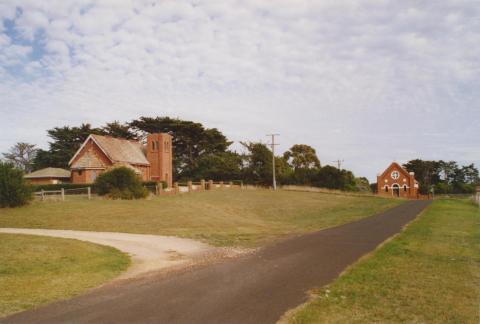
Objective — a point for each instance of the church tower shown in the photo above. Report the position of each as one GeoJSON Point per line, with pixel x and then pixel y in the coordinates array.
{"type": "Point", "coordinates": [159, 155]}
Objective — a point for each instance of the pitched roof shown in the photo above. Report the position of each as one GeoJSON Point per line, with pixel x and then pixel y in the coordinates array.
{"type": "Point", "coordinates": [117, 149]}
{"type": "Point", "coordinates": [402, 169]}
{"type": "Point", "coordinates": [49, 173]}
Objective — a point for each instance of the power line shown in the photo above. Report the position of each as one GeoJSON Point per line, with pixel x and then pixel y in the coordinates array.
{"type": "Point", "coordinates": [339, 163]}
{"type": "Point", "coordinates": [273, 144]}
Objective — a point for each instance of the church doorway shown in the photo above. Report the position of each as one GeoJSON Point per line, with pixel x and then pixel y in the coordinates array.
{"type": "Point", "coordinates": [396, 190]}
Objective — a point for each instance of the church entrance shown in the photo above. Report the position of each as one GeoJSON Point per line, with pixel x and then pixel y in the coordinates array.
{"type": "Point", "coordinates": [396, 190]}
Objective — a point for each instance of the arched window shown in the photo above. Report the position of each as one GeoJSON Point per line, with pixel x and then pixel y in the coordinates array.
{"type": "Point", "coordinates": [405, 188]}
{"type": "Point", "coordinates": [386, 188]}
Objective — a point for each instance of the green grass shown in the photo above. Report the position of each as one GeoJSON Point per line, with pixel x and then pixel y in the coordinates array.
{"type": "Point", "coordinates": [430, 273]}
{"type": "Point", "coordinates": [221, 218]}
{"type": "Point", "coordinates": [37, 270]}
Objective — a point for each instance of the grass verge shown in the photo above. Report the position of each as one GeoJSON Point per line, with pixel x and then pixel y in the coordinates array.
{"type": "Point", "coordinates": [37, 270]}
{"type": "Point", "coordinates": [221, 218]}
{"type": "Point", "coordinates": [430, 273]}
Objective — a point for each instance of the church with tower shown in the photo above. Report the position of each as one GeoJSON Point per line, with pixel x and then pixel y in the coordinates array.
{"type": "Point", "coordinates": [151, 162]}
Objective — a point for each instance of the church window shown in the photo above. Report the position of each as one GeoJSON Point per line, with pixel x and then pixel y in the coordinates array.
{"type": "Point", "coordinates": [395, 175]}
{"type": "Point", "coordinates": [386, 188]}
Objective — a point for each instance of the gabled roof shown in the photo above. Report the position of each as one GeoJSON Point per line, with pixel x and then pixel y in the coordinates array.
{"type": "Point", "coordinates": [48, 173]}
{"type": "Point", "coordinates": [398, 166]}
{"type": "Point", "coordinates": [117, 149]}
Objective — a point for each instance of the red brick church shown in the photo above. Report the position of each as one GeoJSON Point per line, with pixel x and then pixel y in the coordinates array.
{"type": "Point", "coordinates": [98, 154]}
{"type": "Point", "coordinates": [395, 181]}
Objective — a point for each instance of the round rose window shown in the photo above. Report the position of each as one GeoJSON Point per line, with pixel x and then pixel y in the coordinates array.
{"type": "Point", "coordinates": [395, 175]}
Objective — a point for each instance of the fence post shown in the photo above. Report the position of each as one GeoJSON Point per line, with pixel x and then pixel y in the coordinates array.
{"type": "Point", "coordinates": [241, 184]}
{"type": "Point", "coordinates": [63, 194]}
{"type": "Point", "coordinates": [222, 185]}
{"type": "Point", "coordinates": [89, 193]}
{"type": "Point", "coordinates": [190, 186]}
{"type": "Point", "coordinates": [43, 195]}
{"type": "Point", "coordinates": [210, 185]}
{"type": "Point", "coordinates": [202, 184]}
{"type": "Point", "coordinates": [231, 184]}
{"type": "Point", "coordinates": [177, 189]}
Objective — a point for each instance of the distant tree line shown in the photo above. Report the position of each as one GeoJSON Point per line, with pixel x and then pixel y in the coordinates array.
{"type": "Point", "coordinates": [445, 177]}
{"type": "Point", "coordinates": [203, 153]}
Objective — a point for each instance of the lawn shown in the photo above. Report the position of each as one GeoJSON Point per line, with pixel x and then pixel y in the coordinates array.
{"type": "Point", "coordinates": [222, 218]}
{"type": "Point", "coordinates": [37, 270]}
{"type": "Point", "coordinates": [430, 273]}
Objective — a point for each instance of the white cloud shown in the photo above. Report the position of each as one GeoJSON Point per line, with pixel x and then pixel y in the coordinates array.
{"type": "Point", "coordinates": [333, 74]}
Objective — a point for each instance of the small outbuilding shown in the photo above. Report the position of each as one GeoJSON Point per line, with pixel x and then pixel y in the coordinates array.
{"type": "Point", "coordinates": [49, 176]}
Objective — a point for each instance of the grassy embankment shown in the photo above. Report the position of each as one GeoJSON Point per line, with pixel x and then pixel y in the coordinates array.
{"type": "Point", "coordinates": [221, 218]}
{"type": "Point", "coordinates": [430, 273]}
{"type": "Point", "coordinates": [37, 270]}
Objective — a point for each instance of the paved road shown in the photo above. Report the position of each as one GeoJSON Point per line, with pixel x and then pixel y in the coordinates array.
{"type": "Point", "coordinates": [258, 288]}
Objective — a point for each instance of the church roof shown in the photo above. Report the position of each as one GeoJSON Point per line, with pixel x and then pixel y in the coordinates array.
{"type": "Point", "coordinates": [398, 166]}
{"type": "Point", "coordinates": [48, 173]}
{"type": "Point", "coordinates": [116, 149]}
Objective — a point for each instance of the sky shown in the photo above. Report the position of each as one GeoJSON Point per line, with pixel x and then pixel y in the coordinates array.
{"type": "Point", "coordinates": [365, 81]}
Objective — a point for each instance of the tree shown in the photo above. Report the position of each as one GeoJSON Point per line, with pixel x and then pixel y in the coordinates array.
{"type": "Point", "coordinates": [445, 177]}
{"type": "Point", "coordinates": [223, 166]}
{"type": "Point", "coordinates": [21, 155]}
{"type": "Point", "coordinates": [333, 178]}
{"type": "Point", "coordinates": [362, 184]}
{"type": "Point", "coordinates": [427, 173]}
{"type": "Point", "coordinates": [258, 162]}
{"type": "Point", "coordinates": [66, 141]}
{"type": "Point", "coordinates": [301, 156]}
{"type": "Point", "coordinates": [14, 191]}
{"type": "Point", "coordinates": [116, 129]}
{"type": "Point", "coordinates": [190, 141]}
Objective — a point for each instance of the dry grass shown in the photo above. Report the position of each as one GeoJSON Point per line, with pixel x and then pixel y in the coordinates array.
{"type": "Point", "coordinates": [430, 273]}
{"type": "Point", "coordinates": [37, 270]}
{"type": "Point", "coordinates": [222, 218]}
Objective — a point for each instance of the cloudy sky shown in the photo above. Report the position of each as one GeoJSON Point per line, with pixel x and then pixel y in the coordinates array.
{"type": "Point", "coordinates": [366, 81]}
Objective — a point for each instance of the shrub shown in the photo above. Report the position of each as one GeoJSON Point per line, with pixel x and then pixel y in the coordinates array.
{"type": "Point", "coordinates": [120, 183]}
{"type": "Point", "coordinates": [14, 190]}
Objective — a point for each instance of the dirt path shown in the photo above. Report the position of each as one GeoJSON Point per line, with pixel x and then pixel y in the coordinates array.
{"type": "Point", "coordinates": [256, 288]}
{"type": "Point", "coordinates": [148, 252]}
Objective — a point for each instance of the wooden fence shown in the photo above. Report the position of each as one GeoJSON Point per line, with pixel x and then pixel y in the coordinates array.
{"type": "Point", "coordinates": [62, 193]}
{"type": "Point", "coordinates": [178, 188]}
{"type": "Point", "coordinates": [190, 186]}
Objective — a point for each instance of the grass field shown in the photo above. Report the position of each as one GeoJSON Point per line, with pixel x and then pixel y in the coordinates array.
{"type": "Point", "coordinates": [430, 273]}
{"type": "Point", "coordinates": [37, 270]}
{"type": "Point", "coordinates": [221, 218]}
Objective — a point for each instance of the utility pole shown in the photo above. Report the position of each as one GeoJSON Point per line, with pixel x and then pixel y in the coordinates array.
{"type": "Point", "coordinates": [339, 163]}
{"type": "Point", "coordinates": [273, 144]}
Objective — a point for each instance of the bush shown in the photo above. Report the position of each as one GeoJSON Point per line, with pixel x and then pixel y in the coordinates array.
{"type": "Point", "coordinates": [120, 183]}
{"type": "Point", "coordinates": [14, 190]}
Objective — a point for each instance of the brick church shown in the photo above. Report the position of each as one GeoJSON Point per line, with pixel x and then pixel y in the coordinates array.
{"type": "Point", "coordinates": [395, 181]}
{"type": "Point", "coordinates": [152, 162]}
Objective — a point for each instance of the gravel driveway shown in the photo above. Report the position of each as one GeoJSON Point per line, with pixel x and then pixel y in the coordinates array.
{"type": "Point", "coordinates": [148, 252]}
